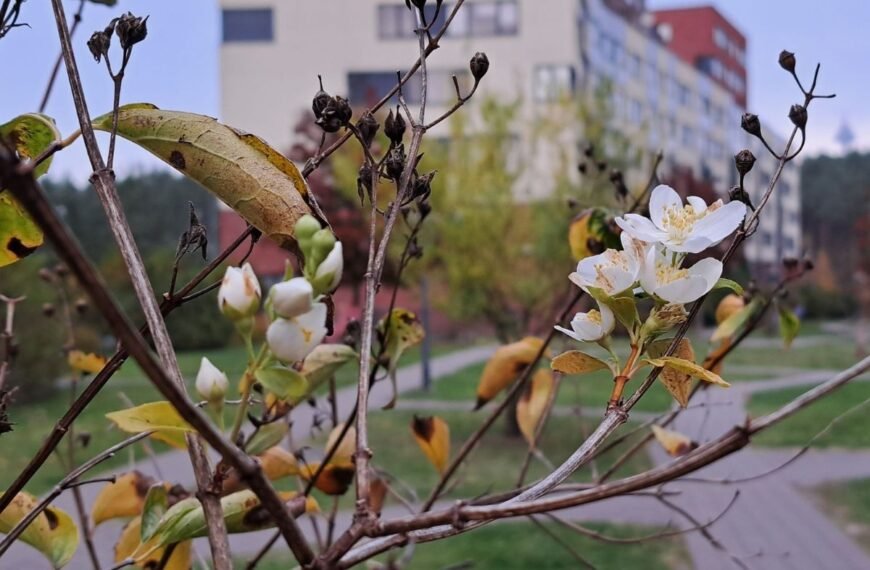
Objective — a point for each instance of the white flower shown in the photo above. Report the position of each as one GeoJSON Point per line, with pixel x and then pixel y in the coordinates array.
{"type": "Point", "coordinates": [292, 298]}
{"type": "Point", "coordinates": [328, 273]}
{"type": "Point", "coordinates": [613, 271]}
{"type": "Point", "coordinates": [591, 326]}
{"type": "Point", "coordinates": [239, 295]}
{"type": "Point", "coordinates": [293, 339]}
{"type": "Point", "coordinates": [211, 383]}
{"type": "Point", "coordinates": [689, 228]}
{"type": "Point", "coordinates": [666, 280]}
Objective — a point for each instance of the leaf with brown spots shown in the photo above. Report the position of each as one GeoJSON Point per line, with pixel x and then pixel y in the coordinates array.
{"type": "Point", "coordinates": [30, 134]}
{"type": "Point", "coordinates": [398, 332]}
{"type": "Point", "coordinates": [577, 362]}
{"type": "Point", "coordinates": [249, 176]}
{"type": "Point", "coordinates": [678, 383]}
{"type": "Point", "coordinates": [53, 532]}
{"type": "Point", "coordinates": [122, 499]}
{"type": "Point", "coordinates": [149, 554]}
{"type": "Point", "coordinates": [433, 436]}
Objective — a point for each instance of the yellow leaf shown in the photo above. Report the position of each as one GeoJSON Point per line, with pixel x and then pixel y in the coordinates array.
{"type": "Point", "coordinates": [433, 436]}
{"type": "Point", "coordinates": [160, 417]}
{"type": "Point", "coordinates": [88, 363]}
{"type": "Point", "coordinates": [678, 383]}
{"type": "Point", "coordinates": [576, 362]}
{"type": "Point", "coordinates": [689, 368]}
{"type": "Point", "coordinates": [252, 178]}
{"type": "Point", "coordinates": [715, 355]}
{"type": "Point", "coordinates": [590, 233]}
{"type": "Point", "coordinates": [674, 442]}
{"type": "Point", "coordinates": [735, 320]}
{"type": "Point", "coordinates": [149, 554]}
{"type": "Point", "coordinates": [504, 366]}
{"type": "Point", "coordinates": [52, 532]}
{"type": "Point", "coordinates": [400, 331]}
{"type": "Point", "coordinates": [729, 305]}
{"type": "Point", "coordinates": [122, 499]}
{"type": "Point", "coordinates": [347, 447]}
{"type": "Point", "coordinates": [533, 402]}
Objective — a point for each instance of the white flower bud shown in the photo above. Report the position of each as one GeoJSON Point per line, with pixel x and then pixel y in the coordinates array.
{"type": "Point", "coordinates": [292, 298]}
{"type": "Point", "coordinates": [291, 340]}
{"type": "Point", "coordinates": [239, 295]}
{"type": "Point", "coordinates": [211, 383]}
{"type": "Point", "coordinates": [328, 273]}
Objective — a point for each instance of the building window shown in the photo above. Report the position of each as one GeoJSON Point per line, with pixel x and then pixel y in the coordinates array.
{"type": "Point", "coordinates": [552, 82]}
{"type": "Point", "coordinates": [247, 25]}
{"type": "Point", "coordinates": [366, 88]}
{"type": "Point", "coordinates": [478, 19]}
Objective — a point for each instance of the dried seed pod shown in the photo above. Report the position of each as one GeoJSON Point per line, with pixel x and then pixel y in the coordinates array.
{"type": "Point", "coordinates": [321, 100]}
{"type": "Point", "coordinates": [787, 60]}
{"type": "Point", "coordinates": [478, 65]}
{"type": "Point", "coordinates": [749, 122]}
{"type": "Point", "coordinates": [798, 116]}
{"type": "Point", "coordinates": [131, 30]}
{"type": "Point", "coordinates": [744, 161]}
{"type": "Point", "coordinates": [394, 127]}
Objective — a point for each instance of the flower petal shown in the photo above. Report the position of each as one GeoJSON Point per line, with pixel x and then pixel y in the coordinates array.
{"type": "Point", "coordinates": [692, 244]}
{"type": "Point", "coordinates": [662, 198]}
{"type": "Point", "coordinates": [640, 228]}
{"type": "Point", "coordinates": [698, 204]}
{"type": "Point", "coordinates": [570, 333]}
{"type": "Point", "coordinates": [718, 224]}
{"type": "Point", "coordinates": [709, 269]}
{"type": "Point", "coordinates": [683, 290]}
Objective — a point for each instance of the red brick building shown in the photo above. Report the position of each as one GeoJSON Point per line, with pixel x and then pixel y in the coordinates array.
{"type": "Point", "coordinates": [702, 37]}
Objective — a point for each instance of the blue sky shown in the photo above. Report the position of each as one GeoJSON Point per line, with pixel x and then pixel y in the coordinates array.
{"type": "Point", "coordinates": [177, 66]}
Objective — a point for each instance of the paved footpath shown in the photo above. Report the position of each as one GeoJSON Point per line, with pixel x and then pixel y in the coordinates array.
{"type": "Point", "coordinates": [771, 526]}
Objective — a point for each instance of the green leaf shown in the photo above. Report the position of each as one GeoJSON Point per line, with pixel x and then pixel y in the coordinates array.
{"type": "Point", "coordinates": [160, 417]}
{"type": "Point", "coordinates": [789, 325]}
{"type": "Point", "coordinates": [624, 308]}
{"type": "Point", "coordinates": [324, 361]}
{"type": "Point", "coordinates": [733, 323]}
{"type": "Point", "coordinates": [577, 362]}
{"type": "Point", "coordinates": [285, 383]}
{"type": "Point", "coordinates": [156, 505]}
{"type": "Point", "coordinates": [267, 436]}
{"type": "Point", "coordinates": [249, 176]}
{"type": "Point", "coordinates": [30, 134]}
{"type": "Point", "coordinates": [723, 283]}
{"type": "Point", "coordinates": [52, 532]}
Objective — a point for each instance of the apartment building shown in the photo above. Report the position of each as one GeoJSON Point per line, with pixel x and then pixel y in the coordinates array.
{"type": "Point", "coordinates": [677, 77]}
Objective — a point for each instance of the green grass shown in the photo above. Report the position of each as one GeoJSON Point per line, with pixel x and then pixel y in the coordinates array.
{"type": "Point", "coordinates": [850, 432]}
{"type": "Point", "coordinates": [510, 544]}
{"type": "Point", "coordinates": [836, 355]}
{"type": "Point", "coordinates": [849, 505]}
{"type": "Point", "coordinates": [34, 421]}
{"type": "Point", "coordinates": [588, 390]}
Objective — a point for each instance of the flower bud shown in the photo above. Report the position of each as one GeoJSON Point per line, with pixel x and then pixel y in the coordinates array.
{"type": "Point", "coordinates": [99, 44]}
{"type": "Point", "coordinates": [787, 60]}
{"type": "Point", "coordinates": [239, 294]}
{"type": "Point", "coordinates": [292, 298]}
{"type": "Point", "coordinates": [211, 383]}
{"type": "Point", "coordinates": [321, 244]}
{"type": "Point", "coordinates": [131, 30]}
{"type": "Point", "coordinates": [744, 161]}
{"type": "Point", "coordinates": [306, 227]}
{"type": "Point", "coordinates": [798, 116]}
{"type": "Point", "coordinates": [663, 319]}
{"type": "Point", "coordinates": [729, 305]}
{"type": "Point", "coordinates": [479, 65]}
{"type": "Point", "coordinates": [368, 127]}
{"type": "Point", "coordinates": [394, 127]}
{"type": "Point", "coordinates": [749, 122]}
{"type": "Point", "coordinates": [291, 340]}
{"type": "Point", "coordinates": [329, 271]}
{"type": "Point", "coordinates": [321, 100]}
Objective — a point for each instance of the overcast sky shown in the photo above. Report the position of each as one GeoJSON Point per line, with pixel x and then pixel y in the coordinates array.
{"type": "Point", "coordinates": [177, 66]}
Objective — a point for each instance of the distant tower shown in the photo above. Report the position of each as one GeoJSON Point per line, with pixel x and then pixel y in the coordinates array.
{"type": "Point", "coordinates": [845, 136]}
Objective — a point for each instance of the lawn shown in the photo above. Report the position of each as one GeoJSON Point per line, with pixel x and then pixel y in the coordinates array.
{"type": "Point", "coordinates": [34, 421]}
{"type": "Point", "coordinates": [849, 505]}
{"type": "Point", "coordinates": [515, 544]}
{"type": "Point", "coordinates": [849, 432]}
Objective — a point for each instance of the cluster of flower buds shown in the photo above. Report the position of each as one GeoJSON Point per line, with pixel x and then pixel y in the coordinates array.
{"type": "Point", "coordinates": [330, 112]}
{"type": "Point", "coordinates": [130, 30]}
{"type": "Point", "coordinates": [324, 261]}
